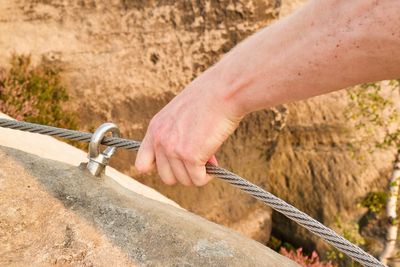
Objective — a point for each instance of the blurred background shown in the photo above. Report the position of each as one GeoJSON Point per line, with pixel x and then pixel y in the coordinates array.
{"type": "Point", "coordinates": [77, 64]}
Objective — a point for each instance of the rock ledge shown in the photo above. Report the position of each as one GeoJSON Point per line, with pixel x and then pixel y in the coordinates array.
{"type": "Point", "coordinates": [57, 214]}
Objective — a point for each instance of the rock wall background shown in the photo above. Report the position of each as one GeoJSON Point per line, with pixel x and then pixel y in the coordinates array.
{"type": "Point", "coordinates": [124, 59]}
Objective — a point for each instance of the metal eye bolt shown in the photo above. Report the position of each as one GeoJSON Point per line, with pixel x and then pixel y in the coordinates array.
{"type": "Point", "coordinates": [99, 160]}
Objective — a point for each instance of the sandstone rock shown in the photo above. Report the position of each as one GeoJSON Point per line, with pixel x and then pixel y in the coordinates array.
{"type": "Point", "coordinates": [51, 148]}
{"type": "Point", "coordinates": [124, 60]}
{"type": "Point", "coordinates": [53, 213]}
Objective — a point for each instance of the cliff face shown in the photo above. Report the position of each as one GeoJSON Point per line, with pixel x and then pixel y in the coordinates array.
{"type": "Point", "coordinates": [124, 60]}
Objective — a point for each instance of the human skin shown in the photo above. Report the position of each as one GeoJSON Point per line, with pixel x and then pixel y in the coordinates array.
{"type": "Point", "coordinates": [325, 46]}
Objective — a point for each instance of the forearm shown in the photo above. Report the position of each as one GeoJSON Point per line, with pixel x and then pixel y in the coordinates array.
{"type": "Point", "coordinates": [326, 46]}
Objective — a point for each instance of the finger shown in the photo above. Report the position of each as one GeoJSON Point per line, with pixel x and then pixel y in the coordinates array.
{"type": "Point", "coordinates": [164, 169]}
{"type": "Point", "coordinates": [179, 170]}
{"type": "Point", "coordinates": [145, 157]}
{"type": "Point", "coordinates": [197, 174]}
{"type": "Point", "coordinates": [213, 160]}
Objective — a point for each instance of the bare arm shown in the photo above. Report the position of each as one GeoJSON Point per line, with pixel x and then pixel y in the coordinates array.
{"type": "Point", "coordinates": [325, 46]}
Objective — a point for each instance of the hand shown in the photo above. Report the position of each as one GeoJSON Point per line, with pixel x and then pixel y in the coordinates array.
{"type": "Point", "coordinates": [186, 133]}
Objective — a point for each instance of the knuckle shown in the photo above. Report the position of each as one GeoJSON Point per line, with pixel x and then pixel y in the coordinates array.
{"type": "Point", "coordinates": [169, 181]}
{"type": "Point", "coordinates": [181, 152]}
{"type": "Point", "coordinates": [169, 148]}
{"type": "Point", "coordinates": [165, 142]}
{"type": "Point", "coordinates": [192, 160]}
{"type": "Point", "coordinates": [201, 179]}
{"type": "Point", "coordinates": [188, 183]}
{"type": "Point", "coordinates": [186, 154]}
{"type": "Point", "coordinates": [157, 138]}
{"type": "Point", "coordinates": [199, 182]}
{"type": "Point", "coordinates": [141, 168]}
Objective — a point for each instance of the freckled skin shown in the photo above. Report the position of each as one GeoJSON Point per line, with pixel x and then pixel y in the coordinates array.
{"type": "Point", "coordinates": [325, 46]}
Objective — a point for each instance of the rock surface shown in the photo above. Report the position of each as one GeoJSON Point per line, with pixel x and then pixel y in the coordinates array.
{"type": "Point", "coordinates": [53, 213]}
{"type": "Point", "coordinates": [124, 60]}
{"type": "Point", "coordinates": [50, 148]}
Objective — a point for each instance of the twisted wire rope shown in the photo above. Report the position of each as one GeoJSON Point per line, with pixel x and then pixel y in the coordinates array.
{"type": "Point", "coordinates": [327, 234]}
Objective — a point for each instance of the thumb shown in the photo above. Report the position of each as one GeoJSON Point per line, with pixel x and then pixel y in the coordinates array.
{"type": "Point", "coordinates": [145, 157]}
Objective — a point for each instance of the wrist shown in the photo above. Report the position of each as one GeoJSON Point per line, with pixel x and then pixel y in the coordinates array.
{"type": "Point", "coordinates": [225, 89]}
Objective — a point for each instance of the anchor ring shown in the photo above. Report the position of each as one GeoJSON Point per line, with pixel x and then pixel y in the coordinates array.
{"type": "Point", "coordinates": [99, 160]}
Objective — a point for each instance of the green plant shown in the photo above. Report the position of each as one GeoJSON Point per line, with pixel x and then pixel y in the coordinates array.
{"type": "Point", "coordinates": [374, 113]}
{"type": "Point", "coordinates": [277, 244]}
{"type": "Point", "coordinates": [375, 201]}
{"type": "Point", "coordinates": [350, 231]}
{"type": "Point", "coordinates": [34, 94]}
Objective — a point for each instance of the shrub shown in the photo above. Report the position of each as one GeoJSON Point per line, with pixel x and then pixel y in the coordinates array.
{"type": "Point", "coordinates": [375, 201]}
{"type": "Point", "coordinates": [34, 94]}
